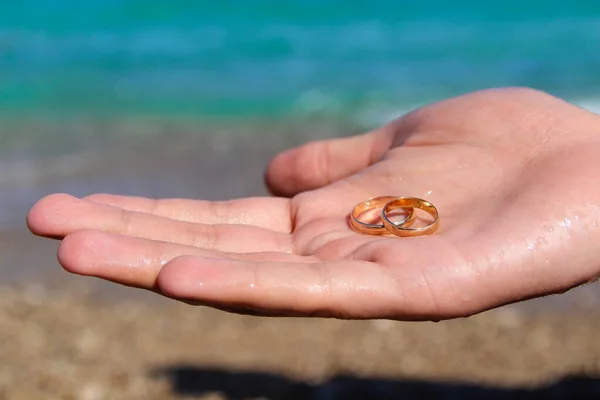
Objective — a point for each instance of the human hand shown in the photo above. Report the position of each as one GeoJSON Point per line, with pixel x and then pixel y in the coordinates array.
{"type": "Point", "coordinates": [512, 172]}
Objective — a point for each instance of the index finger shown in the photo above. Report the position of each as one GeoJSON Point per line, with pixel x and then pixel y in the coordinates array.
{"type": "Point", "coordinates": [265, 212]}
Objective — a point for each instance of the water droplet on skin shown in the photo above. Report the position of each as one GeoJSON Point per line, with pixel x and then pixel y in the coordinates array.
{"type": "Point", "coordinates": [566, 223]}
{"type": "Point", "coordinates": [531, 246]}
{"type": "Point", "coordinates": [252, 286]}
{"type": "Point", "coordinates": [429, 193]}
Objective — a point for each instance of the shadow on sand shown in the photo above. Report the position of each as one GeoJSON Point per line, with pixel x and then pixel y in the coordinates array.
{"type": "Point", "coordinates": [197, 381]}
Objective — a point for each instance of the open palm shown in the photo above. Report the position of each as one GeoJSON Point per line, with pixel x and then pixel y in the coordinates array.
{"type": "Point", "coordinates": [514, 174]}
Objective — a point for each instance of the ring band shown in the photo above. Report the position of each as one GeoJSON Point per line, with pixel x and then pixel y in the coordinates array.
{"type": "Point", "coordinates": [372, 203]}
{"type": "Point", "coordinates": [398, 228]}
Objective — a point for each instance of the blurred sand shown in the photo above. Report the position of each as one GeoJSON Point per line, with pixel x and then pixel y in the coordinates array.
{"type": "Point", "coordinates": [67, 345]}
{"type": "Point", "coordinates": [68, 337]}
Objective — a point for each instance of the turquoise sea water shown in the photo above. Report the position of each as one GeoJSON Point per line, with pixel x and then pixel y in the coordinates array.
{"type": "Point", "coordinates": [360, 61]}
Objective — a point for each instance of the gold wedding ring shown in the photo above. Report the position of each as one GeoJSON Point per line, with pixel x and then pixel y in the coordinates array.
{"type": "Point", "coordinates": [410, 203]}
{"type": "Point", "coordinates": [370, 204]}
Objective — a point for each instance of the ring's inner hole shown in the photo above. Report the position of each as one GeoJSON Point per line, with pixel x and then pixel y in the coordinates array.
{"type": "Point", "coordinates": [397, 215]}
{"type": "Point", "coordinates": [421, 218]}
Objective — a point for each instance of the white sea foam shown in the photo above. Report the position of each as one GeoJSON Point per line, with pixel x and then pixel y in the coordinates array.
{"type": "Point", "coordinates": [591, 104]}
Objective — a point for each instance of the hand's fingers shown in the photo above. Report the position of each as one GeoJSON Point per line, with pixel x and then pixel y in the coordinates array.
{"type": "Point", "coordinates": [265, 212]}
{"type": "Point", "coordinates": [343, 289]}
{"type": "Point", "coordinates": [133, 261]}
{"type": "Point", "coordinates": [59, 215]}
{"type": "Point", "coordinates": [320, 163]}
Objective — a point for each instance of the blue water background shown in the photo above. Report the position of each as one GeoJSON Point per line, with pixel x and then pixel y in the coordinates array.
{"type": "Point", "coordinates": [355, 61]}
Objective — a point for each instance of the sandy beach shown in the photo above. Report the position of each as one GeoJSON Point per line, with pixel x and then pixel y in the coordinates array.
{"type": "Point", "coordinates": [68, 344]}
{"type": "Point", "coordinates": [68, 337]}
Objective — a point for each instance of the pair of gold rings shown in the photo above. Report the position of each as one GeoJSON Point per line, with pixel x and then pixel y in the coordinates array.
{"type": "Point", "coordinates": [401, 228]}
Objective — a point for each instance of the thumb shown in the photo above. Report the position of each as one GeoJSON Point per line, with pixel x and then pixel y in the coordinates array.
{"type": "Point", "coordinates": [317, 164]}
